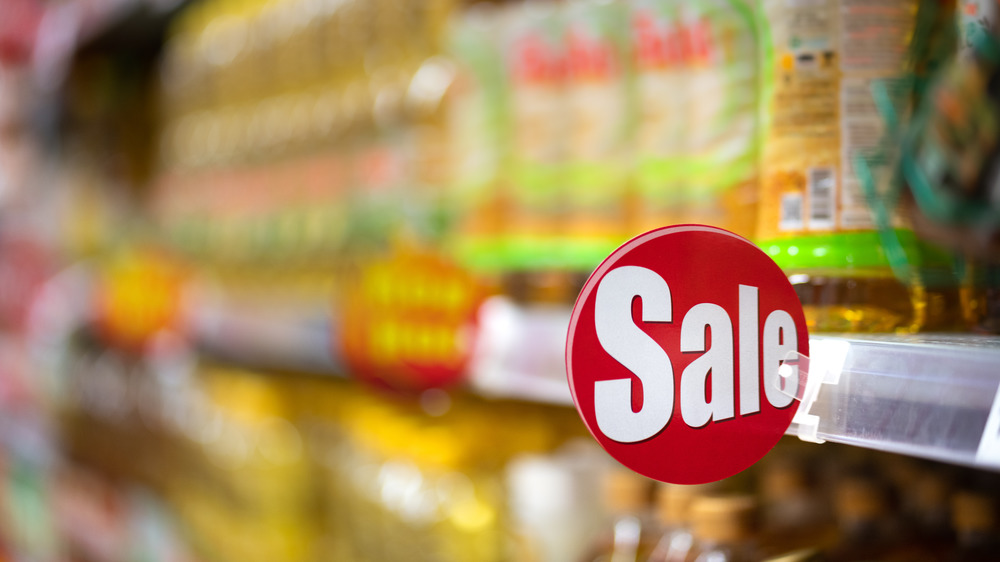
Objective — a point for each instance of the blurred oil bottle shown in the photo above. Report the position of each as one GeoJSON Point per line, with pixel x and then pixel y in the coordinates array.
{"type": "Point", "coordinates": [793, 516]}
{"type": "Point", "coordinates": [474, 130]}
{"type": "Point", "coordinates": [868, 527]}
{"type": "Point", "coordinates": [534, 173]}
{"type": "Point", "coordinates": [696, 135]}
{"type": "Point", "coordinates": [551, 504]}
{"type": "Point", "coordinates": [243, 494]}
{"type": "Point", "coordinates": [599, 126]}
{"type": "Point", "coordinates": [815, 218]}
{"type": "Point", "coordinates": [927, 514]}
{"type": "Point", "coordinates": [974, 519]}
{"type": "Point", "coordinates": [632, 531]}
{"type": "Point", "coordinates": [673, 511]}
{"type": "Point", "coordinates": [724, 528]}
{"type": "Point", "coordinates": [660, 56]}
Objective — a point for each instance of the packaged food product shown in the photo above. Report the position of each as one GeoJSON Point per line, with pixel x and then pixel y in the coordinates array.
{"type": "Point", "coordinates": [599, 123]}
{"type": "Point", "coordinates": [631, 531]}
{"type": "Point", "coordinates": [673, 510]}
{"type": "Point", "coordinates": [816, 219]}
{"type": "Point", "coordinates": [696, 132]}
{"type": "Point", "coordinates": [533, 180]}
{"type": "Point", "coordinates": [724, 528]}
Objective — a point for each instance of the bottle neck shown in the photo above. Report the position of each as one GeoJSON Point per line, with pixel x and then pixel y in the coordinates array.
{"type": "Point", "coordinates": [861, 531]}
{"type": "Point", "coordinates": [718, 551]}
{"type": "Point", "coordinates": [792, 512]}
{"type": "Point", "coordinates": [974, 538]}
{"type": "Point", "coordinates": [674, 546]}
{"type": "Point", "coordinates": [627, 534]}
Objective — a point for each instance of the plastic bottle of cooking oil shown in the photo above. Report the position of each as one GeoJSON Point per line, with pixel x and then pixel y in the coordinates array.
{"type": "Point", "coordinates": [696, 131]}
{"type": "Point", "coordinates": [533, 177]}
{"type": "Point", "coordinates": [821, 61]}
{"type": "Point", "coordinates": [472, 128]}
{"type": "Point", "coordinates": [631, 533]}
{"type": "Point", "coordinates": [974, 518]}
{"type": "Point", "coordinates": [793, 516]}
{"type": "Point", "coordinates": [599, 124]}
{"type": "Point", "coordinates": [724, 529]}
{"type": "Point", "coordinates": [673, 510]}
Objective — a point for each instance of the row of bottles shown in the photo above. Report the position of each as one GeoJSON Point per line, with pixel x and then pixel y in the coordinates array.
{"type": "Point", "coordinates": [289, 128]}
{"type": "Point", "coordinates": [449, 486]}
{"type": "Point", "coordinates": [266, 466]}
{"type": "Point", "coordinates": [255, 466]}
{"type": "Point", "coordinates": [530, 139]}
{"type": "Point", "coordinates": [251, 80]}
{"type": "Point", "coordinates": [71, 512]}
{"type": "Point", "coordinates": [220, 450]}
{"type": "Point", "coordinates": [816, 506]}
{"type": "Point", "coordinates": [544, 133]}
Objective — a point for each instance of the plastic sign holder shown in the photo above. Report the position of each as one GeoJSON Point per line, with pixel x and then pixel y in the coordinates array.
{"type": "Point", "coordinates": [932, 396]}
{"type": "Point", "coordinates": [810, 376]}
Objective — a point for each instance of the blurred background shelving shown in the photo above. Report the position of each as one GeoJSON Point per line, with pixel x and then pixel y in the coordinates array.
{"type": "Point", "coordinates": [290, 280]}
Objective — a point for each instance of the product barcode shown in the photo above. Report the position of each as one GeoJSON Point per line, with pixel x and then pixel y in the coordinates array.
{"type": "Point", "coordinates": [791, 212]}
{"type": "Point", "coordinates": [821, 198]}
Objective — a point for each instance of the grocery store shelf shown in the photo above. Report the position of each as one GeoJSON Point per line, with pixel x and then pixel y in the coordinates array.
{"type": "Point", "coordinates": [929, 396]}
{"type": "Point", "coordinates": [520, 352]}
{"type": "Point", "coordinates": [276, 336]}
{"type": "Point", "coordinates": [29, 437]}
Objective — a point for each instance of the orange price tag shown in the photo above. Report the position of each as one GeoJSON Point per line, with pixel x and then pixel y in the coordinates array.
{"type": "Point", "coordinates": [409, 322]}
{"type": "Point", "coordinates": [138, 296]}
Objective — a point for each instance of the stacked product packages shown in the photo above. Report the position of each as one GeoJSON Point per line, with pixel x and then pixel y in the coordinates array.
{"type": "Point", "coordinates": [525, 141]}
{"type": "Point", "coordinates": [838, 74]}
{"type": "Point", "coordinates": [517, 138]}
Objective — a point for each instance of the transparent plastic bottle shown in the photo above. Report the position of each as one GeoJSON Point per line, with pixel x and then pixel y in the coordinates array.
{"type": "Point", "coordinates": [673, 510]}
{"type": "Point", "coordinates": [868, 528]}
{"type": "Point", "coordinates": [724, 529]}
{"type": "Point", "coordinates": [598, 128]}
{"type": "Point", "coordinates": [794, 515]}
{"type": "Point", "coordinates": [974, 519]}
{"type": "Point", "coordinates": [816, 217]}
{"type": "Point", "coordinates": [626, 497]}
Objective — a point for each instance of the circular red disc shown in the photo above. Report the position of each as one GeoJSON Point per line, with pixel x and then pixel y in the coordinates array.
{"type": "Point", "coordinates": [673, 351]}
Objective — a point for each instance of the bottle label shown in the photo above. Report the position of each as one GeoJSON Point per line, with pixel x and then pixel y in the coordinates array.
{"type": "Point", "coordinates": [827, 58]}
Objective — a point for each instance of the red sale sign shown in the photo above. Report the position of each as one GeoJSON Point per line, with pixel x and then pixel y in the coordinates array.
{"type": "Point", "coordinates": [673, 352]}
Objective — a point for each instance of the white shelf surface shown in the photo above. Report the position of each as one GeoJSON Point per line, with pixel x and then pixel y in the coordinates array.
{"type": "Point", "coordinates": [266, 335]}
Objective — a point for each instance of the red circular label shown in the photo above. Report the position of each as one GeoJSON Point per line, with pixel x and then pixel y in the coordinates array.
{"type": "Point", "coordinates": [409, 322]}
{"type": "Point", "coordinates": [673, 353]}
